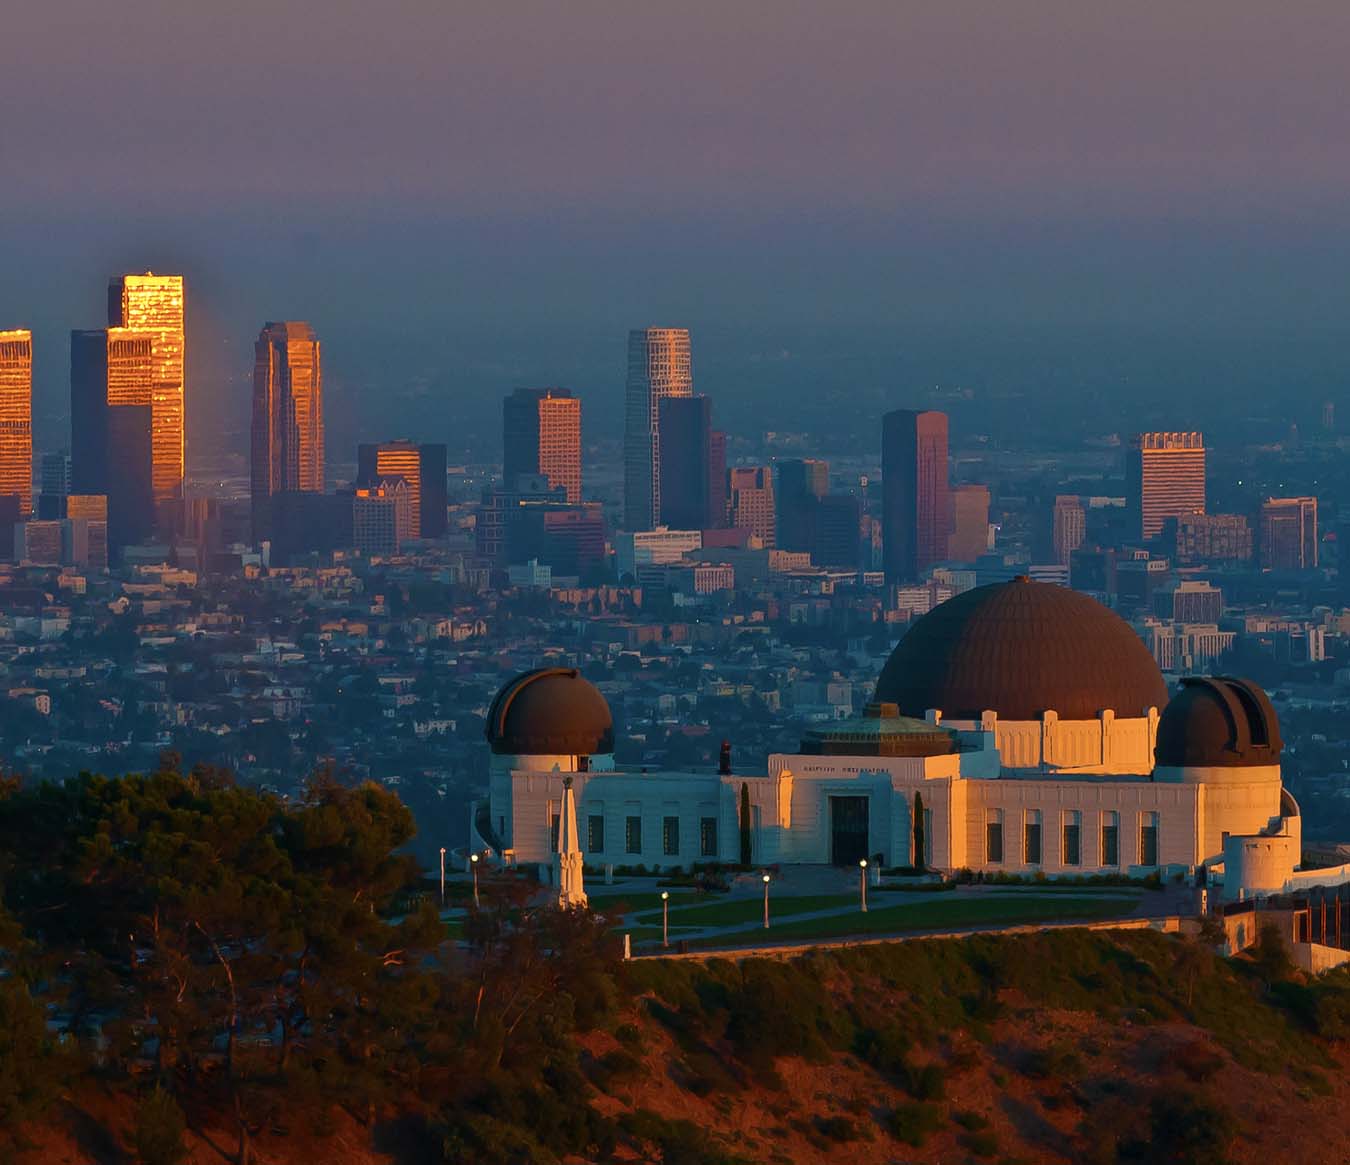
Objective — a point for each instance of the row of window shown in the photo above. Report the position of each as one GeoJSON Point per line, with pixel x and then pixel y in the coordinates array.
{"type": "Point", "coordinates": [1071, 838]}
{"type": "Point", "coordinates": [632, 835]}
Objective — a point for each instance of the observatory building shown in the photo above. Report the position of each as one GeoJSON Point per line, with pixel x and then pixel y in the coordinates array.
{"type": "Point", "coordinates": [1027, 723]}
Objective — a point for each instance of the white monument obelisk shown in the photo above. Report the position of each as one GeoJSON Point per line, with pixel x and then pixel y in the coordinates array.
{"type": "Point", "coordinates": [568, 859]}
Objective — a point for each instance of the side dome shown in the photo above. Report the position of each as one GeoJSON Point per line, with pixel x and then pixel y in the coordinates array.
{"type": "Point", "coordinates": [1218, 722]}
{"type": "Point", "coordinates": [1021, 648]}
{"type": "Point", "coordinates": [551, 711]}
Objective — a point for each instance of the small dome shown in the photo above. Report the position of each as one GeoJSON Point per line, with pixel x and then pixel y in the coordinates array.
{"type": "Point", "coordinates": [1218, 722]}
{"type": "Point", "coordinates": [1021, 648]}
{"type": "Point", "coordinates": [552, 711]}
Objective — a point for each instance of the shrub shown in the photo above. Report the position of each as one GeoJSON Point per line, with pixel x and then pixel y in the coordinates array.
{"type": "Point", "coordinates": [982, 1144]}
{"type": "Point", "coordinates": [971, 1121]}
{"type": "Point", "coordinates": [160, 1126]}
{"type": "Point", "coordinates": [914, 1122]}
{"type": "Point", "coordinates": [837, 1128]}
{"type": "Point", "coordinates": [925, 1081]}
{"type": "Point", "coordinates": [1189, 1127]}
{"type": "Point", "coordinates": [885, 1048]}
{"type": "Point", "coordinates": [1195, 1060]}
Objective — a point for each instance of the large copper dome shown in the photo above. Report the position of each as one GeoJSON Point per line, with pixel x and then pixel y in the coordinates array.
{"type": "Point", "coordinates": [1019, 649]}
{"type": "Point", "coordinates": [552, 711]}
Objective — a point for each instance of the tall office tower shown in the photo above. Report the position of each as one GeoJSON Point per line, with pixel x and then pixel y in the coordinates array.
{"type": "Point", "coordinates": [16, 417]}
{"type": "Point", "coordinates": [1164, 478]}
{"type": "Point", "coordinates": [154, 304]}
{"type": "Point", "coordinates": [658, 367]}
{"type": "Point", "coordinates": [968, 528]}
{"type": "Point", "coordinates": [1289, 534]}
{"type": "Point", "coordinates": [1208, 538]}
{"type": "Point", "coordinates": [913, 492]}
{"type": "Point", "coordinates": [717, 479]}
{"type": "Point", "coordinates": [750, 501]}
{"type": "Point", "coordinates": [685, 434]}
{"type": "Point", "coordinates": [541, 434]}
{"type": "Point", "coordinates": [1329, 416]}
{"type": "Point", "coordinates": [53, 485]}
{"type": "Point", "coordinates": [800, 486]}
{"type": "Point", "coordinates": [287, 437]}
{"type": "Point", "coordinates": [112, 386]}
{"type": "Point", "coordinates": [838, 534]}
{"type": "Point", "coordinates": [422, 467]}
{"type": "Point", "coordinates": [1069, 527]}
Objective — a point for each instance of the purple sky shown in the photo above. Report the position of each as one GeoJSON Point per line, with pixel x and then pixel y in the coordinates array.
{"type": "Point", "coordinates": [463, 197]}
{"type": "Point", "coordinates": [739, 105]}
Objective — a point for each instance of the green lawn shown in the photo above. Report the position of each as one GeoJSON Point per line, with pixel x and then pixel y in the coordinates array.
{"type": "Point", "coordinates": [607, 898]}
{"type": "Point", "coordinates": [935, 915]}
{"type": "Point", "coordinates": [729, 911]}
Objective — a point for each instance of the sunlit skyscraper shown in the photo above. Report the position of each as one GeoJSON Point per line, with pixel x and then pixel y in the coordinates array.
{"type": "Point", "coordinates": [915, 508]}
{"type": "Point", "coordinates": [1164, 478]}
{"type": "Point", "coordinates": [154, 304]}
{"type": "Point", "coordinates": [16, 417]}
{"type": "Point", "coordinates": [112, 384]}
{"type": "Point", "coordinates": [658, 367]}
{"type": "Point", "coordinates": [421, 468]}
{"type": "Point", "coordinates": [541, 436]}
{"type": "Point", "coordinates": [287, 430]}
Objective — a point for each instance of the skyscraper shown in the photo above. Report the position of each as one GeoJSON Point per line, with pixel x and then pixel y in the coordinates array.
{"type": "Point", "coordinates": [287, 434]}
{"type": "Point", "coordinates": [658, 367]}
{"type": "Point", "coordinates": [1164, 478]}
{"type": "Point", "coordinates": [1069, 527]}
{"type": "Point", "coordinates": [800, 486]}
{"type": "Point", "coordinates": [685, 435]}
{"type": "Point", "coordinates": [913, 492]}
{"type": "Point", "coordinates": [154, 304]}
{"type": "Point", "coordinates": [1289, 534]}
{"type": "Point", "coordinates": [750, 500]}
{"type": "Point", "coordinates": [541, 434]}
{"type": "Point", "coordinates": [53, 485]}
{"type": "Point", "coordinates": [717, 479]}
{"type": "Point", "coordinates": [422, 467]}
{"type": "Point", "coordinates": [16, 417]}
{"type": "Point", "coordinates": [968, 529]}
{"type": "Point", "coordinates": [112, 386]}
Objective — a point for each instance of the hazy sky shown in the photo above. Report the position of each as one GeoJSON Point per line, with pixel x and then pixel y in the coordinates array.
{"type": "Point", "coordinates": [463, 196]}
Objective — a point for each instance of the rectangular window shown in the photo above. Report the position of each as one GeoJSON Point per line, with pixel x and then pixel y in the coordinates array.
{"type": "Point", "coordinates": [632, 835]}
{"type": "Point", "coordinates": [1031, 849]}
{"type": "Point", "coordinates": [1072, 842]}
{"type": "Point", "coordinates": [553, 833]}
{"type": "Point", "coordinates": [993, 836]}
{"type": "Point", "coordinates": [595, 833]}
{"type": "Point", "coordinates": [1111, 838]}
{"type": "Point", "coordinates": [670, 836]}
{"type": "Point", "coordinates": [707, 836]}
{"type": "Point", "coordinates": [1148, 839]}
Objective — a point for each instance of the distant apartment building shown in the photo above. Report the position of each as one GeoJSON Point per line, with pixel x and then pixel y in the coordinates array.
{"type": "Point", "coordinates": [1164, 478]}
{"type": "Point", "coordinates": [1216, 539]}
{"type": "Point", "coordinates": [1187, 647]}
{"type": "Point", "coordinates": [541, 436]}
{"type": "Point", "coordinates": [16, 417]}
{"type": "Point", "coordinates": [914, 474]}
{"type": "Point", "coordinates": [659, 366]}
{"type": "Point", "coordinates": [634, 548]}
{"type": "Point", "coordinates": [379, 516]}
{"type": "Point", "coordinates": [1190, 601]}
{"type": "Point", "coordinates": [1068, 527]}
{"type": "Point", "coordinates": [1289, 534]}
{"type": "Point", "coordinates": [750, 503]}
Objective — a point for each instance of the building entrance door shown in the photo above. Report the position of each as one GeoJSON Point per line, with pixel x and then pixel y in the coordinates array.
{"type": "Point", "coordinates": [848, 830]}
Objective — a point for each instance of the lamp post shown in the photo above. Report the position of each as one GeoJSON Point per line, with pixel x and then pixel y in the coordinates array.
{"type": "Point", "coordinates": [442, 877]}
{"type": "Point", "coordinates": [473, 865]}
{"type": "Point", "coordinates": [665, 918]}
{"type": "Point", "coordinates": [766, 901]}
{"type": "Point", "coordinates": [862, 882]}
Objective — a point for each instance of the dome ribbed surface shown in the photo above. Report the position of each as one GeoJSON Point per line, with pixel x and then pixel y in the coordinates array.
{"type": "Point", "coordinates": [550, 712]}
{"type": "Point", "coordinates": [1218, 722]}
{"type": "Point", "coordinates": [1021, 648]}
